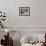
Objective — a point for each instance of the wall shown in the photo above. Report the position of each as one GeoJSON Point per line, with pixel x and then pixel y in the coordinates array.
{"type": "Point", "coordinates": [35, 22]}
{"type": "Point", "coordinates": [37, 16]}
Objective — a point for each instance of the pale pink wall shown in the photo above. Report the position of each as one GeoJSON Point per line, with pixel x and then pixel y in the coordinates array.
{"type": "Point", "coordinates": [37, 16]}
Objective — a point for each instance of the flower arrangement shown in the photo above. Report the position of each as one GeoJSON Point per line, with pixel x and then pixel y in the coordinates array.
{"type": "Point", "coordinates": [2, 19]}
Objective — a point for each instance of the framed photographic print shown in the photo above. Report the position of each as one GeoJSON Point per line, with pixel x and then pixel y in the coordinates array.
{"type": "Point", "coordinates": [24, 11]}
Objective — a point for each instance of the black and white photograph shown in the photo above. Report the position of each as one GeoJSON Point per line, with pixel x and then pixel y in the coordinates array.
{"type": "Point", "coordinates": [24, 11]}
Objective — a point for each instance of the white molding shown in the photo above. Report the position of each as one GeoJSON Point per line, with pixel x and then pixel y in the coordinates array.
{"type": "Point", "coordinates": [24, 27]}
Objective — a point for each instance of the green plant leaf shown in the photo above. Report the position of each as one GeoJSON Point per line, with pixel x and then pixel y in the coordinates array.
{"type": "Point", "coordinates": [4, 16]}
{"type": "Point", "coordinates": [0, 12]}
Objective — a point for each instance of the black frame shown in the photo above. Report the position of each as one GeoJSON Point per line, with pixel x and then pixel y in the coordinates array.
{"type": "Point", "coordinates": [24, 8]}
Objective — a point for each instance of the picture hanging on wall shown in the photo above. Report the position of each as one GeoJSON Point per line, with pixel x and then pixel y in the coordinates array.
{"type": "Point", "coordinates": [24, 11]}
